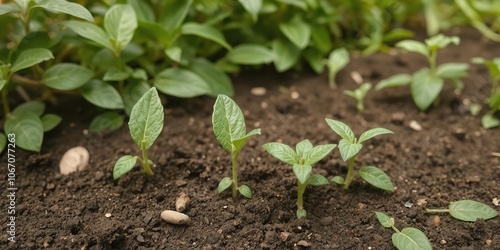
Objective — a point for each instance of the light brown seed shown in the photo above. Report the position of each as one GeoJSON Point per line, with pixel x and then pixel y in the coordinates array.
{"type": "Point", "coordinates": [175, 217]}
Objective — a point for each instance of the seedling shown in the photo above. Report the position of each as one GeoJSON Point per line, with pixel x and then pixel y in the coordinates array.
{"type": "Point", "coordinates": [349, 147]}
{"type": "Point", "coordinates": [408, 238]}
{"type": "Point", "coordinates": [359, 95]}
{"type": "Point", "coordinates": [302, 159]}
{"type": "Point", "coordinates": [337, 60]}
{"type": "Point", "coordinates": [427, 83]}
{"type": "Point", "coordinates": [145, 124]}
{"type": "Point", "coordinates": [467, 210]}
{"type": "Point", "coordinates": [489, 120]}
{"type": "Point", "coordinates": [230, 130]}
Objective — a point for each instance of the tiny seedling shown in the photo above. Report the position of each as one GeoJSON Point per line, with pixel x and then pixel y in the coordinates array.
{"type": "Point", "coordinates": [337, 60]}
{"type": "Point", "coordinates": [302, 159]}
{"type": "Point", "coordinates": [408, 238]}
{"type": "Point", "coordinates": [231, 132]}
{"type": "Point", "coordinates": [145, 124]}
{"type": "Point", "coordinates": [489, 120]}
{"type": "Point", "coordinates": [427, 83]}
{"type": "Point", "coordinates": [467, 210]}
{"type": "Point", "coordinates": [349, 147]}
{"type": "Point", "coordinates": [359, 95]}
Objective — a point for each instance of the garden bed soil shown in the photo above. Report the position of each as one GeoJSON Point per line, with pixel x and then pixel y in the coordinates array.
{"type": "Point", "coordinates": [449, 159]}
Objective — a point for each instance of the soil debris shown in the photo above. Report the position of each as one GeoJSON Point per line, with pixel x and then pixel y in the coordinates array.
{"type": "Point", "coordinates": [182, 202]}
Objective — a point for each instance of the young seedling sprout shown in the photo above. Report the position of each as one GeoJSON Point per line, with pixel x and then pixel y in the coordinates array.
{"type": "Point", "coordinates": [489, 120]}
{"type": "Point", "coordinates": [467, 210]}
{"type": "Point", "coordinates": [349, 147]}
{"type": "Point", "coordinates": [230, 130]}
{"type": "Point", "coordinates": [359, 95]}
{"type": "Point", "coordinates": [145, 124]}
{"type": "Point", "coordinates": [302, 159]}
{"type": "Point", "coordinates": [408, 238]}
{"type": "Point", "coordinates": [427, 83]}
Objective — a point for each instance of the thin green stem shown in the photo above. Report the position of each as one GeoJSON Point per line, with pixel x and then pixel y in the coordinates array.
{"type": "Point", "coordinates": [145, 165]}
{"type": "Point", "coordinates": [437, 210]}
{"type": "Point", "coordinates": [432, 60]}
{"type": "Point", "coordinates": [350, 173]}
{"type": "Point", "coordinates": [234, 160]}
{"type": "Point", "coordinates": [301, 188]}
{"type": "Point", "coordinates": [395, 229]}
{"type": "Point", "coordinates": [5, 102]}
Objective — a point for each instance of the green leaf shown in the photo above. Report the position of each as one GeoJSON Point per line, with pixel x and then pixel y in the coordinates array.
{"type": "Point", "coordinates": [321, 39]}
{"type": "Point", "coordinates": [452, 70]}
{"type": "Point", "coordinates": [50, 121]}
{"type": "Point", "coordinates": [287, 55]}
{"type": "Point", "coordinates": [115, 74]}
{"type": "Point", "coordinates": [63, 6]}
{"type": "Point", "coordinates": [240, 142]}
{"type": "Point", "coordinates": [132, 93]}
{"type": "Point", "coordinates": [120, 23]}
{"type": "Point", "coordinates": [337, 60]}
{"type": "Point", "coordinates": [28, 129]}
{"type": "Point", "coordinates": [489, 121]}
{"type": "Point", "coordinates": [317, 153]}
{"type": "Point", "coordinates": [218, 82]}
{"type": "Point", "coordinates": [341, 129]}
{"type": "Point", "coordinates": [228, 122]}
{"type": "Point", "coordinates": [440, 41]}
{"type": "Point", "coordinates": [102, 95]}
{"type": "Point", "coordinates": [91, 32]}
{"type": "Point", "coordinates": [251, 54]}
{"type": "Point", "coordinates": [492, 65]}
{"type": "Point", "coordinates": [146, 119]}
{"type": "Point", "coordinates": [3, 142]}
{"type": "Point", "coordinates": [34, 107]}
{"type": "Point", "coordinates": [394, 81]}
{"type": "Point", "coordinates": [106, 122]}
{"type": "Point", "coordinates": [317, 180]}
{"type": "Point", "coordinates": [29, 58]}
{"type": "Point", "coordinates": [468, 210]}
{"type": "Point", "coordinates": [372, 133]}
{"type": "Point", "coordinates": [338, 179]}
{"type": "Point", "coordinates": [253, 7]}
{"type": "Point", "coordinates": [174, 53]}
{"type": "Point", "coordinates": [154, 31]}
{"type": "Point", "coordinates": [174, 13]}
{"type": "Point", "coordinates": [302, 172]}
{"type": "Point", "coordinates": [413, 46]}
{"type": "Point", "coordinates": [411, 238]}
{"type": "Point", "coordinates": [66, 76]}
{"type": "Point", "coordinates": [124, 165]}
{"type": "Point", "coordinates": [205, 31]}
{"type": "Point", "coordinates": [143, 10]}
{"type": "Point", "coordinates": [301, 213]}
{"type": "Point", "coordinates": [224, 184]}
{"type": "Point", "coordinates": [384, 219]}
{"type": "Point", "coordinates": [425, 88]}
{"type": "Point", "coordinates": [181, 83]}
{"type": "Point", "coordinates": [6, 8]}
{"type": "Point", "coordinates": [297, 31]}
{"type": "Point", "coordinates": [315, 60]}
{"type": "Point", "coordinates": [281, 152]}
{"type": "Point", "coordinates": [245, 191]}
{"type": "Point", "coordinates": [302, 148]}
{"type": "Point", "coordinates": [348, 149]}
{"type": "Point", "coordinates": [2, 84]}
{"type": "Point", "coordinates": [376, 177]}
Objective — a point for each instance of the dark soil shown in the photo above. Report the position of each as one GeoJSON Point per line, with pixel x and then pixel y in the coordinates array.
{"type": "Point", "coordinates": [449, 159]}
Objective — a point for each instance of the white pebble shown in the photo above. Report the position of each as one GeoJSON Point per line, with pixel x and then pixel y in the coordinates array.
{"type": "Point", "coordinates": [295, 95]}
{"type": "Point", "coordinates": [107, 215]}
{"type": "Point", "coordinates": [175, 217]}
{"type": "Point", "coordinates": [258, 91]}
{"type": "Point", "coordinates": [75, 159]}
{"type": "Point", "coordinates": [415, 125]}
{"type": "Point", "coordinates": [356, 76]}
{"type": "Point", "coordinates": [496, 202]}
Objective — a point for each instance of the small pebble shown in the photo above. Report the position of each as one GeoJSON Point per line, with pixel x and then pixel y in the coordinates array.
{"type": "Point", "coordinates": [326, 221]}
{"type": "Point", "coordinates": [398, 118]}
{"type": "Point", "coordinates": [284, 236]}
{"type": "Point", "coordinates": [303, 243]}
{"type": "Point", "coordinates": [421, 202]}
{"type": "Point", "coordinates": [50, 186]}
{"type": "Point", "coordinates": [107, 215]}
{"type": "Point", "coordinates": [175, 217]}
{"type": "Point", "coordinates": [140, 238]}
{"type": "Point", "coordinates": [180, 183]}
{"type": "Point", "coordinates": [75, 159]}
{"type": "Point", "coordinates": [408, 204]}
{"type": "Point", "coordinates": [442, 242]}
{"type": "Point", "coordinates": [415, 125]}
{"type": "Point", "coordinates": [182, 202]}
{"type": "Point", "coordinates": [258, 91]}
{"type": "Point", "coordinates": [356, 76]}
{"type": "Point", "coordinates": [295, 95]}
{"type": "Point", "coordinates": [496, 202]}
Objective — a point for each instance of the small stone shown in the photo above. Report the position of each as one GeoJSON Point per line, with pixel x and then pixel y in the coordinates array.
{"type": "Point", "coordinates": [148, 218]}
{"type": "Point", "coordinates": [356, 76]}
{"type": "Point", "coordinates": [421, 202]}
{"type": "Point", "coordinates": [436, 220]}
{"type": "Point", "coordinates": [303, 243]}
{"type": "Point", "coordinates": [398, 118]}
{"type": "Point", "coordinates": [361, 206]}
{"type": "Point", "coordinates": [473, 179]}
{"type": "Point", "coordinates": [264, 105]}
{"type": "Point", "coordinates": [50, 186]}
{"type": "Point", "coordinates": [295, 95]}
{"type": "Point", "coordinates": [408, 204]}
{"type": "Point", "coordinates": [98, 175]}
{"type": "Point", "coordinates": [326, 221]}
{"type": "Point", "coordinates": [442, 242]}
{"type": "Point", "coordinates": [488, 242]}
{"type": "Point", "coordinates": [75, 159]}
{"type": "Point", "coordinates": [182, 202]}
{"type": "Point", "coordinates": [107, 215]}
{"type": "Point", "coordinates": [284, 236]}
{"type": "Point", "coordinates": [496, 202]}
{"type": "Point", "coordinates": [175, 217]}
{"type": "Point", "coordinates": [415, 125]}
{"type": "Point", "coordinates": [140, 238]}
{"type": "Point", "coordinates": [180, 183]}
{"type": "Point", "coordinates": [258, 91]}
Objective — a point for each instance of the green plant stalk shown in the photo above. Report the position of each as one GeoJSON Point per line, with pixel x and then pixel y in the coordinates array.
{"type": "Point", "coordinates": [5, 102]}
{"type": "Point", "coordinates": [437, 210]}
{"type": "Point", "coordinates": [145, 160]}
{"type": "Point", "coordinates": [432, 60]}
{"type": "Point", "coordinates": [234, 160]}
{"type": "Point", "coordinates": [301, 188]}
{"type": "Point", "coordinates": [350, 173]}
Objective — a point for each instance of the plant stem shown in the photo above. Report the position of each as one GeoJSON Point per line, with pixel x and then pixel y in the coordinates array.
{"type": "Point", "coordinates": [5, 102]}
{"type": "Point", "coordinates": [395, 229]}
{"type": "Point", "coordinates": [234, 160]}
{"type": "Point", "coordinates": [301, 188]}
{"type": "Point", "coordinates": [145, 165]}
{"type": "Point", "coordinates": [432, 60]}
{"type": "Point", "coordinates": [437, 210]}
{"type": "Point", "coordinates": [350, 173]}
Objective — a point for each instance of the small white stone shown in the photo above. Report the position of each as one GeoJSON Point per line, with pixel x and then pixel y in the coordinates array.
{"type": "Point", "coordinates": [175, 217]}
{"type": "Point", "coordinates": [295, 95]}
{"type": "Point", "coordinates": [415, 125]}
{"type": "Point", "coordinates": [258, 91]}
{"type": "Point", "coordinates": [496, 202]}
{"type": "Point", "coordinates": [75, 159]}
{"type": "Point", "coordinates": [107, 215]}
{"type": "Point", "coordinates": [356, 76]}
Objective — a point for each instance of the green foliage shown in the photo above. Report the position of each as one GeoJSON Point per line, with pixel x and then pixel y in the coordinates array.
{"type": "Point", "coordinates": [359, 95]}
{"type": "Point", "coordinates": [145, 124]}
{"type": "Point", "coordinates": [489, 120]}
{"type": "Point", "coordinates": [349, 147]}
{"type": "Point", "coordinates": [301, 159]}
{"type": "Point", "coordinates": [230, 130]}
{"type": "Point", "coordinates": [427, 83]}
{"type": "Point", "coordinates": [468, 210]}
{"type": "Point", "coordinates": [408, 238]}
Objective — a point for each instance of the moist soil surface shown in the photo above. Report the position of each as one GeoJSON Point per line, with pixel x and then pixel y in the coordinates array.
{"type": "Point", "coordinates": [451, 158]}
